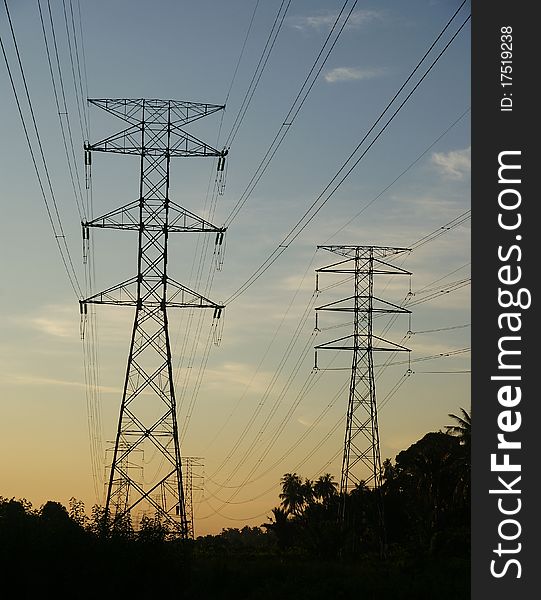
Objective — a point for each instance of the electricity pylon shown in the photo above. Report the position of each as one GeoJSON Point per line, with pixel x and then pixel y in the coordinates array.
{"type": "Point", "coordinates": [148, 412]}
{"type": "Point", "coordinates": [361, 440]}
{"type": "Point", "coordinates": [193, 482]}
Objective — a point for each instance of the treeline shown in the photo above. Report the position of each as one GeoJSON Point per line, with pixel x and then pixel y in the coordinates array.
{"type": "Point", "coordinates": [57, 552]}
{"type": "Point", "coordinates": [426, 508]}
{"type": "Point", "coordinates": [300, 552]}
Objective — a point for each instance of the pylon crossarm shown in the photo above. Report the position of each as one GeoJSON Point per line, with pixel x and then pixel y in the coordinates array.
{"type": "Point", "coordinates": [127, 218]}
{"type": "Point", "coordinates": [107, 297]}
{"type": "Point", "coordinates": [179, 219]}
{"type": "Point", "coordinates": [331, 305]}
{"type": "Point", "coordinates": [112, 142]}
{"type": "Point", "coordinates": [188, 112]}
{"type": "Point", "coordinates": [365, 251]}
{"type": "Point", "coordinates": [365, 307]}
{"type": "Point", "coordinates": [130, 109]}
{"type": "Point", "coordinates": [189, 145]}
{"type": "Point", "coordinates": [125, 108]}
{"type": "Point", "coordinates": [128, 141]}
{"type": "Point", "coordinates": [330, 268]}
{"type": "Point", "coordinates": [396, 270]}
{"type": "Point", "coordinates": [339, 267]}
{"type": "Point", "coordinates": [392, 347]}
{"type": "Point", "coordinates": [395, 308]}
{"type": "Point", "coordinates": [326, 345]}
{"type": "Point", "coordinates": [367, 271]}
{"type": "Point", "coordinates": [189, 297]}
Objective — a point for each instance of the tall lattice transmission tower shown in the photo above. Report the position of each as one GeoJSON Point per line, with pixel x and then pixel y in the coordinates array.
{"type": "Point", "coordinates": [153, 131]}
{"type": "Point", "coordinates": [361, 459]}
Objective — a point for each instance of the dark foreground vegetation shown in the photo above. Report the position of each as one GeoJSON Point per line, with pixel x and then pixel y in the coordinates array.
{"type": "Point", "coordinates": [59, 552]}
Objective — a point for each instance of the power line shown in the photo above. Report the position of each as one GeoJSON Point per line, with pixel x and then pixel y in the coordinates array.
{"type": "Point", "coordinates": [442, 372]}
{"type": "Point", "coordinates": [241, 52]}
{"type": "Point", "coordinates": [320, 443]}
{"type": "Point", "coordinates": [63, 111]}
{"type": "Point", "coordinates": [410, 166]}
{"type": "Point", "coordinates": [57, 227]}
{"type": "Point", "coordinates": [441, 329]}
{"type": "Point", "coordinates": [319, 202]}
{"type": "Point", "coordinates": [85, 94]}
{"type": "Point", "coordinates": [271, 384]}
{"type": "Point", "coordinates": [462, 218]}
{"type": "Point", "coordinates": [295, 445]}
{"type": "Point", "coordinates": [247, 454]}
{"type": "Point", "coordinates": [263, 59]}
{"type": "Point", "coordinates": [288, 452]}
{"type": "Point", "coordinates": [451, 287]}
{"type": "Point", "coordinates": [390, 394]}
{"type": "Point", "coordinates": [384, 111]}
{"type": "Point", "coordinates": [281, 426]}
{"type": "Point", "coordinates": [78, 94]}
{"type": "Point", "coordinates": [78, 64]}
{"type": "Point", "coordinates": [265, 354]}
{"type": "Point", "coordinates": [444, 277]}
{"type": "Point", "coordinates": [290, 117]}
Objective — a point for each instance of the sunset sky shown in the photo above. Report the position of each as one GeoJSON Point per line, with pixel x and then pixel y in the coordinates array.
{"type": "Point", "coordinates": [251, 407]}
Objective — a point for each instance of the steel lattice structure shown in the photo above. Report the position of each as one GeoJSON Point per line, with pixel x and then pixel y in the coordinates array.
{"type": "Point", "coordinates": [193, 482]}
{"type": "Point", "coordinates": [361, 457]}
{"type": "Point", "coordinates": [148, 412]}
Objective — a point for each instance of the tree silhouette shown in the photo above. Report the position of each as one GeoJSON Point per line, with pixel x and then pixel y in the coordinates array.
{"type": "Point", "coordinates": [77, 512]}
{"type": "Point", "coordinates": [462, 429]}
{"type": "Point", "coordinates": [293, 494]}
{"type": "Point", "coordinates": [281, 527]}
{"type": "Point", "coordinates": [427, 479]}
{"type": "Point", "coordinates": [151, 530]}
{"type": "Point", "coordinates": [325, 489]}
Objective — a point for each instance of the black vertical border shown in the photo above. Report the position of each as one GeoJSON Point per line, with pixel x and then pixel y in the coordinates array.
{"type": "Point", "coordinates": [494, 131]}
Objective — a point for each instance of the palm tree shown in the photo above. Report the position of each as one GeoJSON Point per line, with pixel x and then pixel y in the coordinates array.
{"type": "Point", "coordinates": [463, 432]}
{"type": "Point", "coordinates": [281, 526]}
{"type": "Point", "coordinates": [325, 488]}
{"type": "Point", "coordinates": [308, 491]}
{"type": "Point", "coordinates": [462, 429]}
{"type": "Point", "coordinates": [293, 494]}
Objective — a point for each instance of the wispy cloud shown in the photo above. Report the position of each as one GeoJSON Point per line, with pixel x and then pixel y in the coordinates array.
{"type": "Point", "coordinates": [324, 20]}
{"type": "Point", "coordinates": [237, 376]}
{"type": "Point", "coordinates": [360, 17]}
{"type": "Point", "coordinates": [55, 320]}
{"type": "Point", "coordinates": [53, 327]}
{"type": "Point", "coordinates": [31, 380]}
{"type": "Point", "coordinates": [453, 165]}
{"type": "Point", "coordinates": [62, 321]}
{"type": "Point", "coordinates": [339, 74]}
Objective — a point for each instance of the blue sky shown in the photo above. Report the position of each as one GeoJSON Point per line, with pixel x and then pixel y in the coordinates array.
{"type": "Point", "coordinates": [242, 412]}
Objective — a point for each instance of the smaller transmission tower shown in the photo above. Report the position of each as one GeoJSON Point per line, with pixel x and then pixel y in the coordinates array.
{"type": "Point", "coordinates": [361, 458]}
{"type": "Point", "coordinates": [192, 470]}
